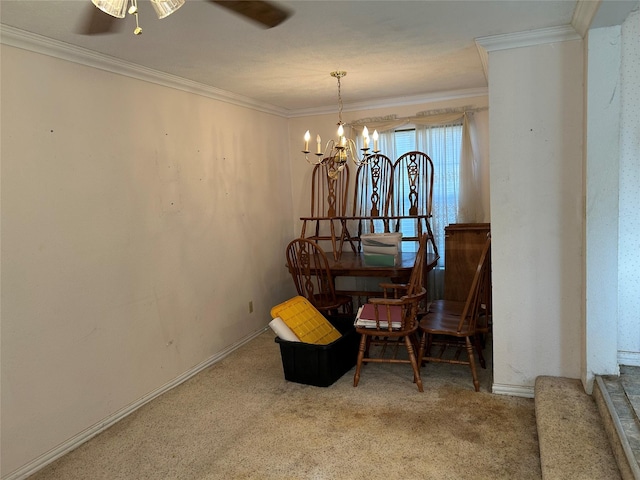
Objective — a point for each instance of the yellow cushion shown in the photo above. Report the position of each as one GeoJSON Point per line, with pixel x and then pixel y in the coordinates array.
{"type": "Point", "coordinates": [309, 325]}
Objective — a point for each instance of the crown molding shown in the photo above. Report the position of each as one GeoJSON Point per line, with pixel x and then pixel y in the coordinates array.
{"type": "Point", "coordinates": [528, 38]}
{"type": "Point", "coordinates": [393, 102]}
{"type": "Point", "coordinates": [583, 15]}
{"type": "Point", "coordinates": [484, 59]}
{"type": "Point", "coordinates": [36, 43]}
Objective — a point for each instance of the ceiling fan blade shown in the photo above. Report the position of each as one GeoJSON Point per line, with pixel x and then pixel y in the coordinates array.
{"type": "Point", "coordinates": [266, 14]}
{"type": "Point", "coordinates": [96, 22]}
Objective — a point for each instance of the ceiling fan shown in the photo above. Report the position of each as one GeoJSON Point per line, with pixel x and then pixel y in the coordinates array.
{"type": "Point", "coordinates": [102, 17]}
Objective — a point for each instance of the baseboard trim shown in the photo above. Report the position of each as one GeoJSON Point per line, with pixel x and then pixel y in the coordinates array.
{"type": "Point", "coordinates": [513, 390]}
{"type": "Point", "coordinates": [631, 359]}
{"type": "Point", "coordinates": [86, 435]}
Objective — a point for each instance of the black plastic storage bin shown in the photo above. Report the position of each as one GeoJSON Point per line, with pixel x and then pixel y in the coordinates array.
{"type": "Point", "coordinates": [321, 365]}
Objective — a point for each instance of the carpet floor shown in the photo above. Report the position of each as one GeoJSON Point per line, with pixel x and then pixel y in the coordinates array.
{"type": "Point", "coordinates": [240, 419]}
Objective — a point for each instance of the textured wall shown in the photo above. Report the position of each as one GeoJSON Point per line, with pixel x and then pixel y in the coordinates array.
{"type": "Point", "coordinates": [536, 119]}
{"type": "Point", "coordinates": [629, 247]}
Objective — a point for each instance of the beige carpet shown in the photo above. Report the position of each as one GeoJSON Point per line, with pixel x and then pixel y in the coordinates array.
{"type": "Point", "coordinates": [573, 441]}
{"type": "Point", "coordinates": [240, 419]}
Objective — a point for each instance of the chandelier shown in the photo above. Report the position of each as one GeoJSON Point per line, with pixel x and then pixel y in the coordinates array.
{"type": "Point", "coordinates": [339, 151]}
{"type": "Point", "coordinates": [118, 8]}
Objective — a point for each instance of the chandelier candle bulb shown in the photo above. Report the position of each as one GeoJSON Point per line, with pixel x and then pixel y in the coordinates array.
{"type": "Point", "coordinates": [319, 140]}
{"type": "Point", "coordinates": [375, 141]}
{"type": "Point", "coordinates": [307, 136]}
{"type": "Point", "coordinates": [365, 134]}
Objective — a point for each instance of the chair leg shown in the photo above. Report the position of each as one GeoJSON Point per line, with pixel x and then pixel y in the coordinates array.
{"type": "Point", "coordinates": [414, 364]}
{"type": "Point", "coordinates": [415, 341]}
{"type": "Point", "coordinates": [363, 346]}
{"type": "Point", "coordinates": [478, 343]}
{"type": "Point", "coordinates": [472, 363]}
{"type": "Point", "coordinates": [429, 344]}
{"type": "Point", "coordinates": [367, 345]}
{"type": "Point", "coordinates": [423, 340]}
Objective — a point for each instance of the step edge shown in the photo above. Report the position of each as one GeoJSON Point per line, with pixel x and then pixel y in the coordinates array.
{"type": "Point", "coordinates": [620, 436]}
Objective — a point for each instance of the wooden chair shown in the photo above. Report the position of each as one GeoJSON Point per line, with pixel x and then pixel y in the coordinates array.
{"type": "Point", "coordinates": [460, 268]}
{"type": "Point", "coordinates": [406, 299]}
{"type": "Point", "coordinates": [448, 323]}
{"type": "Point", "coordinates": [413, 184]}
{"type": "Point", "coordinates": [329, 200]}
{"type": "Point", "coordinates": [309, 268]}
{"type": "Point", "coordinates": [372, 196]}
{"type": "Point", "coordinates": [413, 191]}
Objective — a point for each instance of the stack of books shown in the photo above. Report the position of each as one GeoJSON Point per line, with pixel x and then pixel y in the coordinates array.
{"type": "Point", "coordinates": [366, 317]}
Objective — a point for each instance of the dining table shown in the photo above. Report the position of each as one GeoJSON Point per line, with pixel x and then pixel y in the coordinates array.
{"type": "Point", "coordinates": [352, 264]}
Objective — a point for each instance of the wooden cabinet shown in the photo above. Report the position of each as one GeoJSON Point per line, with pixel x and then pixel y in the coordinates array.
{"type": "Point", "coordinates": [462, 248]}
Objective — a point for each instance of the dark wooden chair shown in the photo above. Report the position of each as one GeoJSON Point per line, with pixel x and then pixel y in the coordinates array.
{"type": "Point", "coordinates": [453, 325]}
{"type": "Point", "coordinates": [309, 268]}
{"type": "Point", "coordinates": [401, 302]}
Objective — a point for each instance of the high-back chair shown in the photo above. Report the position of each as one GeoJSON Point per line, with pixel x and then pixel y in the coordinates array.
{"type": "Point", "coordinates": [449, 323]}
{"type": "Point", "coordinates": [372, 195]}
{"type": "Point", "coordinates": [329, 199]}
{"type": "Point", "coordinates": [413, 195]}
{"type": "Point", "coordinates": [393, 322]}
{"type": "Point", "coordinates": [309, 268]}
{"type": "Point", "coordinates": [413, 184]}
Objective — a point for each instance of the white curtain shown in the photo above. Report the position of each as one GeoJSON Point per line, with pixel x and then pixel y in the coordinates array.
{"type": "Point", "coordinates": [470, 202]}
{"type": "Point", "coordinates": [443, 144]}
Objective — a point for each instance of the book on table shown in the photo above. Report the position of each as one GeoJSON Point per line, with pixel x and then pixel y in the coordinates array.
{"type": "Point", "coordinates": [366, 316]}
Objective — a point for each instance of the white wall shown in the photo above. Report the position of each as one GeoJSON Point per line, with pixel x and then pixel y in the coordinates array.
{"type": "Point", "coordinates": [602, 155]}
{"type": "Point", "coordinates": [137, 224]}
{"type": "Point", "coordinates": [629, 221]}
{"type": "Point", "coordinates": [535, 105]}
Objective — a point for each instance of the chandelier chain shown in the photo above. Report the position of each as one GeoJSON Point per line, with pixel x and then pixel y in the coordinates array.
{"type": "Point", "coordinates": [339, 102]}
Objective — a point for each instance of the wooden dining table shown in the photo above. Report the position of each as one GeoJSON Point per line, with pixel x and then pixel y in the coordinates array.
{"type": "Point", "coordinates": [351, 264]}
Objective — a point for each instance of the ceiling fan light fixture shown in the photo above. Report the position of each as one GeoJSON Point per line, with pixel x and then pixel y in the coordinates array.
{"type": "Point", "coordinates": [164, 8]}
{"type": "Point", "coordinates": [115, 8]}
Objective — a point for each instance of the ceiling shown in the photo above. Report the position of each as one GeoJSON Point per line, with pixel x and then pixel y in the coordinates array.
{"type": "Point", "coordinates": [390, 49]}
